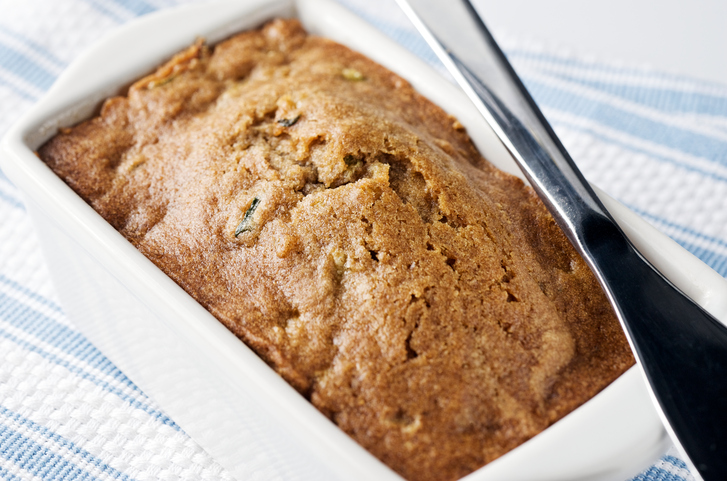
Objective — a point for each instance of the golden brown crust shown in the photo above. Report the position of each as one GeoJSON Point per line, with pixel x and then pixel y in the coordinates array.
{"type": "Point", "coordinates": [423, 300]}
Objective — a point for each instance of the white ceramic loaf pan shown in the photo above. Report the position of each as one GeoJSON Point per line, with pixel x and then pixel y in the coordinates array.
{"type": "Point", "coordinates": [208, 381]}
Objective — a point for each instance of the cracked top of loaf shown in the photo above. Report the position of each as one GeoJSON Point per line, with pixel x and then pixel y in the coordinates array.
{"type": "Point", "coordinates": [348, 231]}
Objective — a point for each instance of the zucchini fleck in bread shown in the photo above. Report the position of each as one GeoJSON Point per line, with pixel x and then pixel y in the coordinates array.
{"type": "Point", "coordinates": [348, 231]}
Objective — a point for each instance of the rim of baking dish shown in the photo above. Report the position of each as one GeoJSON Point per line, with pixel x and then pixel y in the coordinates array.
{"type": "Point", "coordinates": [613, 435]}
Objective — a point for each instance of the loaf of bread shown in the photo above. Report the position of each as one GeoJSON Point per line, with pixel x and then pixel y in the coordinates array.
{"type": "Point", "coordinates": [347, 230]}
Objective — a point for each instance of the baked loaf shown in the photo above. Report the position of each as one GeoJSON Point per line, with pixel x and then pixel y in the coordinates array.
{"type": "Point", "coordinates": [348, 231]}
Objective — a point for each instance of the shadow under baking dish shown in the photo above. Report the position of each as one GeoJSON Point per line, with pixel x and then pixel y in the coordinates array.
{"type": "Point", "coordinates": [211, 384]}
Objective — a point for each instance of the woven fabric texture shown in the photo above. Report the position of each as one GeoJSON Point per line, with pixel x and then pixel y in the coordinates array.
{"type": "Point", "coordinates": [656, 142]}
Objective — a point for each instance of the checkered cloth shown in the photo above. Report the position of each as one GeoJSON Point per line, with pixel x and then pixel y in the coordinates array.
{"type": "Point", "coordinates": [656, 142]}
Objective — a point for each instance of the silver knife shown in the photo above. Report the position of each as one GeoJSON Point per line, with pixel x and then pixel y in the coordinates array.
{"type": "Point", "coordinates": [681, 349]}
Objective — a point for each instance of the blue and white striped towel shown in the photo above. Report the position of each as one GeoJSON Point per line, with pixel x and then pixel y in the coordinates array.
{"type": "Point", "coordinates": [656, 142]}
